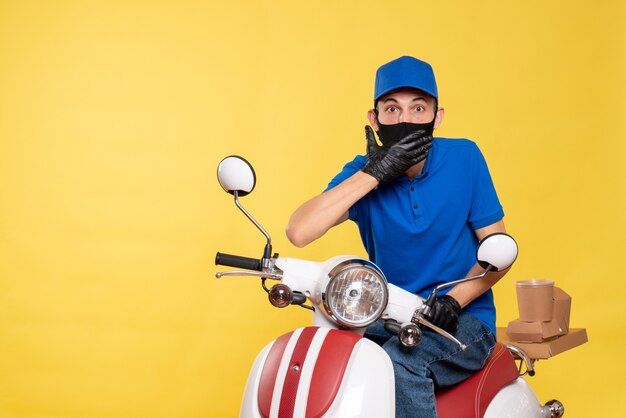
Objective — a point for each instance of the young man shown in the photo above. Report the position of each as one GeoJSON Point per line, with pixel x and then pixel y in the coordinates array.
{"type": "Point", "coordinates": [421, 204]}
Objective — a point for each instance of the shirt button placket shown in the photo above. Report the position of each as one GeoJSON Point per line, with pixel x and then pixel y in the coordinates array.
{"type": "Point", "coordinates": [413, 199]}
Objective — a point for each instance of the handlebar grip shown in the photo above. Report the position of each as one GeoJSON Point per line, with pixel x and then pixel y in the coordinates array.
{"type": "Point", "coordinates": [237, 261]}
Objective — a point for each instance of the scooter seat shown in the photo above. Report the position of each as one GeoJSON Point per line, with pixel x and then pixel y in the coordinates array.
{"type": "Point", "coordinates": [471, 398]}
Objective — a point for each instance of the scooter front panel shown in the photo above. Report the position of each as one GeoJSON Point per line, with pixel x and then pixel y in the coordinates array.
{"type": "Point", "coordinates": [368, 386]}
{"type": "Point", "coordinates": [269, 373]}
{"type": "Point", "coordinates": [302, 360]}
{"type": "Point", "coordinates": [329, 371]}
{"type": "Point", "coordinates": [314, 372]}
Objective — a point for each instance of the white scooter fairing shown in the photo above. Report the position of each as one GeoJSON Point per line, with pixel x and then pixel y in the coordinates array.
{"type": "Point", "coordinates": [315, 372]}
{"type": "Point", "coordinates": [325, 372]}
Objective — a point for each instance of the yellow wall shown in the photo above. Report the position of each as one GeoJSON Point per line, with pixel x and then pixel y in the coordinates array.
{"type": "Point", "coordinates": [114, 115]}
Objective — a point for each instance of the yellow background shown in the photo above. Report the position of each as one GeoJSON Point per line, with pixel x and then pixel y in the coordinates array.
{"type": "Point", "coordinates": [114, 115]}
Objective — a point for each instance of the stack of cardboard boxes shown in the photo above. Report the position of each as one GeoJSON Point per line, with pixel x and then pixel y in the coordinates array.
{"type": "Point", "coordinates": [542, 330]}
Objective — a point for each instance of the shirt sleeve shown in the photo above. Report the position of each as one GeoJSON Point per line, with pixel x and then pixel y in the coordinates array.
{"type": "Point", "coordinates": [348, 171]}
{"type": "Point", "coordinates": [485, 208]}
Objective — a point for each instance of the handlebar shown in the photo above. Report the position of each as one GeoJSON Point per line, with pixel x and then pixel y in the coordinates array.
{"type": "Point", "coordinates": [237, 261]}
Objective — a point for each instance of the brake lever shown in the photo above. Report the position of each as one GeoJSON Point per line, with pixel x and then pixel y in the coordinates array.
{"type": "Point", "coordinates": [242, 273]}
{"type": "Point", "coordinates": [418, 318]}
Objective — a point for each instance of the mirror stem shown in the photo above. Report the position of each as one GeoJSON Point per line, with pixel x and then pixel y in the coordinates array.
{"type": "Point", "coordinates": [267, 253]}
{"type": "Point", "coordinates": [431, 298]}
{"type": "Point", "coordinates": [466, 279]}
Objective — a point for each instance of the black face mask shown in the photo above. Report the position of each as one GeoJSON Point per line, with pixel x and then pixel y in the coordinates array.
{"type": "Point", "coordinates": [390, 134]}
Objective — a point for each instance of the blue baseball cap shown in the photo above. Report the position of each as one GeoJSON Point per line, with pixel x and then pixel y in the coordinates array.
{"type": "Point", "coordinates": [405, 72]}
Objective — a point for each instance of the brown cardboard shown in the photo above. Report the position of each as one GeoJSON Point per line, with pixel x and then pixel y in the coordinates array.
{"type": "Point", "coordinates": [535, 300]}
{"type": "Point", "coordinates": [537, 331]}
{"type": "Point", "coordinates": [533, 331]}
{"type": "Point", "coordinates": [562, 308]}
{"type": "Point", "coordinates": [550, 348]}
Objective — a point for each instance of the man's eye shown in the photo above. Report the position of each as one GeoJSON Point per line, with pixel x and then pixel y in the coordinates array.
{"type": "Point", "coordinates": [419, 108]}
{"type": "Point", "coordinates": [392, 109]}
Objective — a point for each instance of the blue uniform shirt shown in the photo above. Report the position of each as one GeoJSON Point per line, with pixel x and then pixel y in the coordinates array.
{"type": "Point", "coordinates": [420, 232]}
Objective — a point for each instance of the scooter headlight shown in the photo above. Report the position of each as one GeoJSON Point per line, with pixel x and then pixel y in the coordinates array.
{"type": "Point", "coordinates": [356, 293]}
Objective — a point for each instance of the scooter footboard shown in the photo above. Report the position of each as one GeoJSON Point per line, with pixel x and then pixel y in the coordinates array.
{"type": "Point", "coordinates": [315, 372]}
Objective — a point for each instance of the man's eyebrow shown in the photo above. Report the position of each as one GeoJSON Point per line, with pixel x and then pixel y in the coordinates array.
{"type": "Point", "coordinates": [415, 99]}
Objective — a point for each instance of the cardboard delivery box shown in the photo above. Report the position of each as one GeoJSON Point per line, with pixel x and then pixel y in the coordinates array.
{"type": "Point", "coordinates": [550, 348]}
{"type": "Point", "coordinates": [542, 339]}
{"type": "Point", "coordinates": [538, 331]}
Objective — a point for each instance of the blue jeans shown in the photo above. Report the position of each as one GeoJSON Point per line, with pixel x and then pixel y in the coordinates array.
{"type": "Point", "coordinates": [435, 363]}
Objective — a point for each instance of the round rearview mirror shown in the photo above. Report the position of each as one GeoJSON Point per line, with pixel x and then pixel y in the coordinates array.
{"type": "Point", "coordinates": [497, 250]}
{"type": "Point", "coordinates": [235, 174]}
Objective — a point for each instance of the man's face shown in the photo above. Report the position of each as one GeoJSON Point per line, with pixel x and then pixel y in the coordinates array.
{"type": "Point", "coordinates": [405, 105]}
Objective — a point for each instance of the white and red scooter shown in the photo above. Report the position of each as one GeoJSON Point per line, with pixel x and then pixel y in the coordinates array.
{"type": "Point", "coordinates": [328, 369]}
